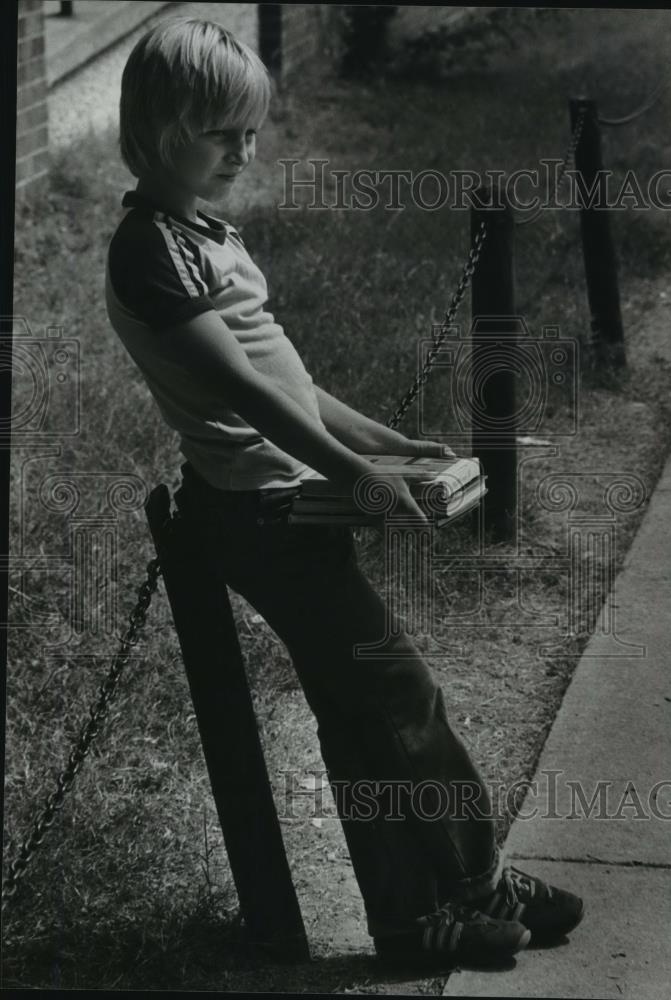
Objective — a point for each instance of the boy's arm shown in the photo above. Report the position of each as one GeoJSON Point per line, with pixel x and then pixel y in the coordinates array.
{"type": "Point", "coordinates": [205, 348]}
{"type": "Point", "coordinates": [352, 428]}
{"type": "Point", "coordinates": [366, 436]}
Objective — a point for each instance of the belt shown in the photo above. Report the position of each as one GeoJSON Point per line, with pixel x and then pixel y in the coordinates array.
{"type": "Point", "coordinates": [268, 503]}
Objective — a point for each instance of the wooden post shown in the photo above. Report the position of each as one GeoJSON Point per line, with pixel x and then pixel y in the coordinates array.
{"type": "Point", "coordinates": [270, 37]}
{"type": "Point", "coordinates": [492, 392]}
{"type": "Point", "coordinates": [597, 241]}
{"type": "Point", "coordinates": [225, 714]}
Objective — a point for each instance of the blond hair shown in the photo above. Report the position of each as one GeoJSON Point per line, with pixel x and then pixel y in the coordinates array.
{"type": "Point", "coordinates": [184, 76]}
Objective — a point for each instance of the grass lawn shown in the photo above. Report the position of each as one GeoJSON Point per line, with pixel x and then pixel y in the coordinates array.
{"type": "Point", "coordinates": [131, 888]}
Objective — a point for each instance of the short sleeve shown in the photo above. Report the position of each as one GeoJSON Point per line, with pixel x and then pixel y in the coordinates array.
{"type": "Point", "coordinates": [154, 271]}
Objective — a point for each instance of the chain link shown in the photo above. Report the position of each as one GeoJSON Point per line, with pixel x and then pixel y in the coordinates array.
{"type": "Point", "coordinates": [633, 115]}
{"type": "Point", "coordinates": [422, 376]}
{"type": "Point", "coordinates": [570, 153]}
{"type": "Point", "coordinates": [98, 713]}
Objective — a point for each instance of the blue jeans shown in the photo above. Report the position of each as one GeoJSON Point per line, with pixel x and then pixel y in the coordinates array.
{"type": "Point", "coordinates": [382, 723]}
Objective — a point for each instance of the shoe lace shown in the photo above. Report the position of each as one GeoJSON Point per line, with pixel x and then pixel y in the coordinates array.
{"type": "Point", "coordinates": [518, 885]}
{"type": "Point", "coordinates": [448, 913]}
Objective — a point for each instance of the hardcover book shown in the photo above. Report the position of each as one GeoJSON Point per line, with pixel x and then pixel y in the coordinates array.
{"type": "Point", "coordinates": [444, 488]}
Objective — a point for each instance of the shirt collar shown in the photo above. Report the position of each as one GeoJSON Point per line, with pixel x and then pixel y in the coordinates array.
{"type": "Point", "coordinates": [215, 229]}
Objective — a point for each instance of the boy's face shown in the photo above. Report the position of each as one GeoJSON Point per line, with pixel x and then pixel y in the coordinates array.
{"type": "Point", "coordinates": [208, 165]}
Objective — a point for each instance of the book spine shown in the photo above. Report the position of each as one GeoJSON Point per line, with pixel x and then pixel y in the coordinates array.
{"type": "Point", "coordinates": [452, 513]}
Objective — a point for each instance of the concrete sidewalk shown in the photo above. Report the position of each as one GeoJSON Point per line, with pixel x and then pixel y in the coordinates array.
{"type": "Point", "coordinates": [599, 809]}
{"type": "Point", "coordinates": [93, 27]}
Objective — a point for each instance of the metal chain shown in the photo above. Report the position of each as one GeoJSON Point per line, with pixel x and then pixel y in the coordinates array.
{"type": "Point", "coordinates": [422, 376]}
{"type": "Point", "coordinates": [570, 153]}
{"type": "Point", "coordinates": [633, 115]}
{"type": "Point", "coordinates": [98, 713]}
{"type": "Point", "coordinates": [467, 274]}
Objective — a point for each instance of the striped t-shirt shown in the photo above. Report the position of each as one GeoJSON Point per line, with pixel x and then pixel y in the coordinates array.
{"type": "Point", "coordinates": [163, 270]}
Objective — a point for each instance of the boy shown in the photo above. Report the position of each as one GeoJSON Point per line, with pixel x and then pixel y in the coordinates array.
{"type": "Point", "coordinates": [189, 304]}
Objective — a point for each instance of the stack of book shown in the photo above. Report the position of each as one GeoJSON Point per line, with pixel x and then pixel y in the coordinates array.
{"type": "Point", "coordinates": [444, 488]}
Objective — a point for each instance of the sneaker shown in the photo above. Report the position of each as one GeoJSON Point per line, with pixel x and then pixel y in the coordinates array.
{"type": "Point", "coordinates": [455, 934]}
{"type": "Point", "coordinates": [548, 912]}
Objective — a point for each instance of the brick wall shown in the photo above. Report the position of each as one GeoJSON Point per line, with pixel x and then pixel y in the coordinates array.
{"type": "Point", "coordinates": [31, 101]}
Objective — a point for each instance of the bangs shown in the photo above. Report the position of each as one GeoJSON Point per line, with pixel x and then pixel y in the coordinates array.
{"type": "Point", "coordinates": [229, 81]}
{"type": "Point", "coordinates": [239, 98]}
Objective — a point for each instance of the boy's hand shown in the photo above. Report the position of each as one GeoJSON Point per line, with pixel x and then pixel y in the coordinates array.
{"type": "Point", "coordinates": [404, 502]}
{"type": "Point", "coordinates": [368, 437]}
{"type": "Point", "coordinates": [387, 442]}
{"type": "Point", "coordinates": [425, 449]}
